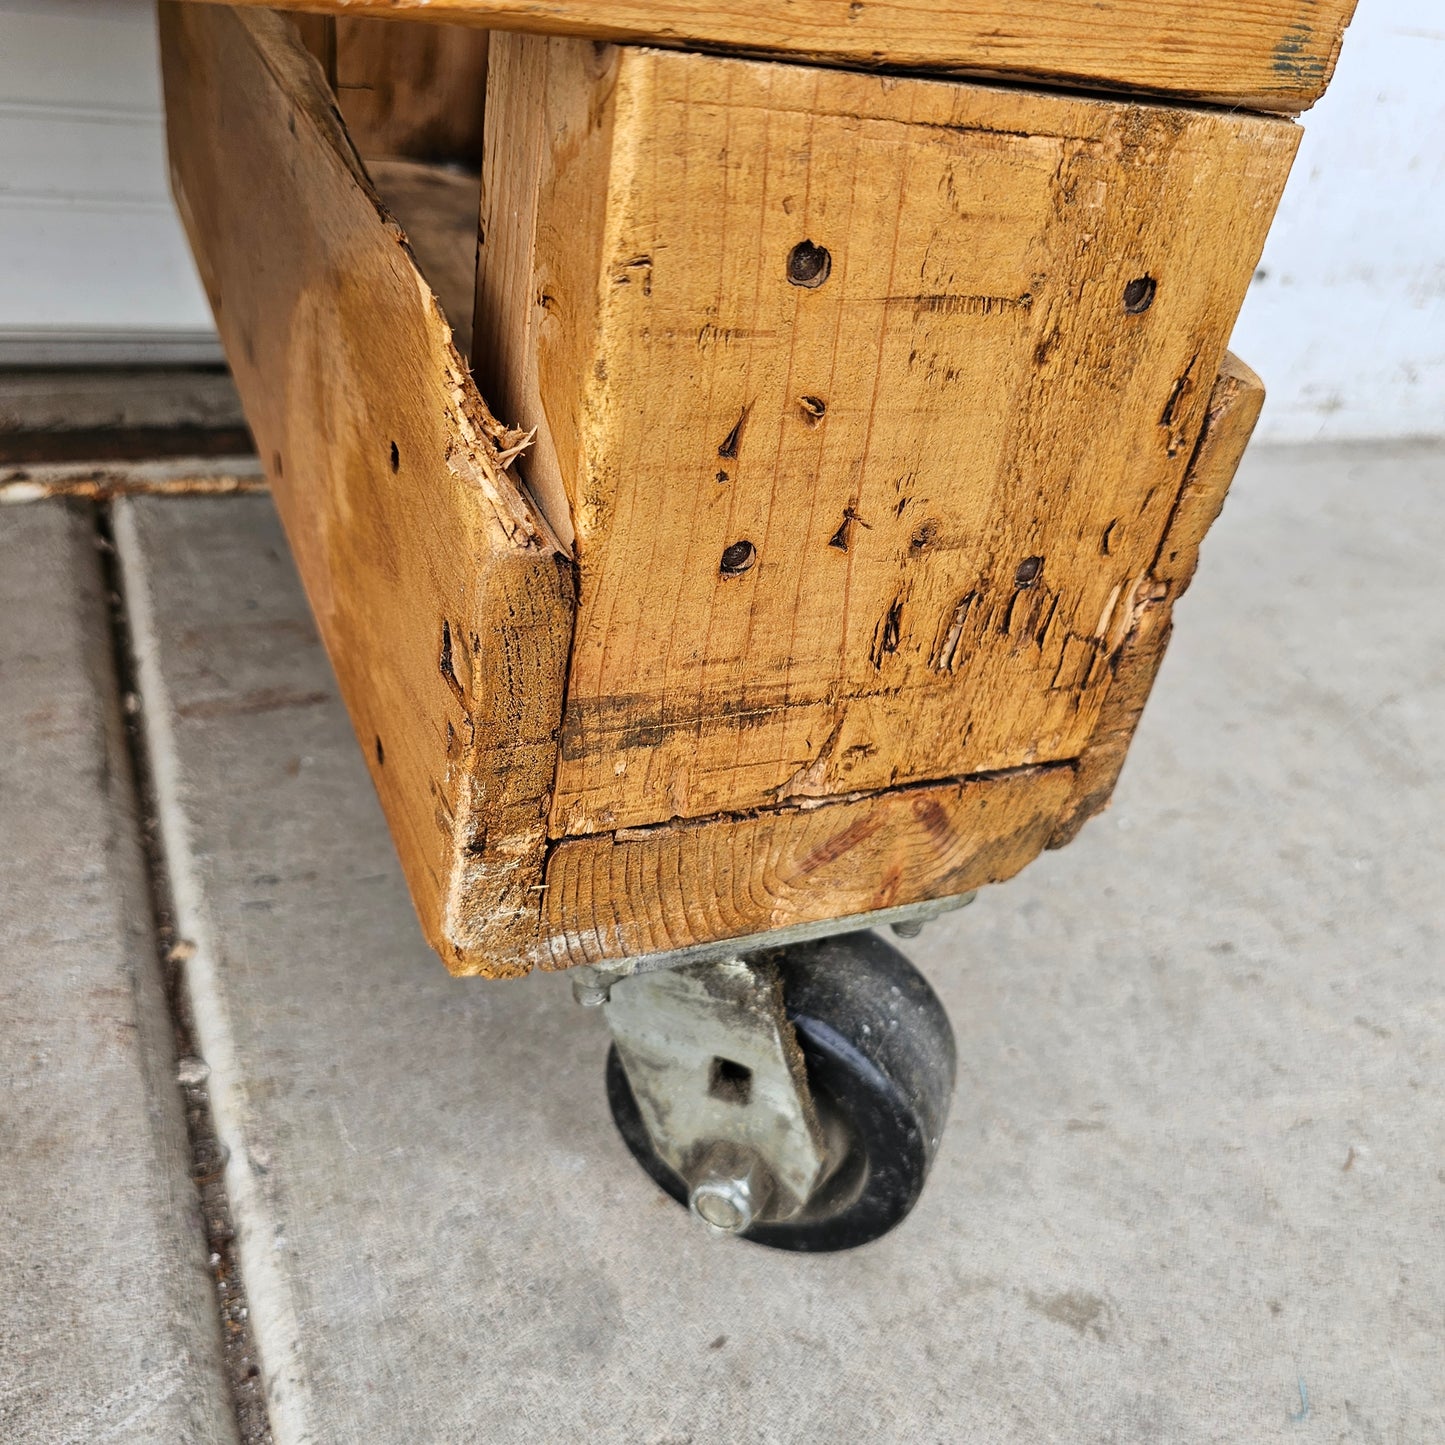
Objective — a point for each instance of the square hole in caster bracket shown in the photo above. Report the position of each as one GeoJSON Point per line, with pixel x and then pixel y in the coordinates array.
{"type": "Point", "coordinates": [730, 1082]}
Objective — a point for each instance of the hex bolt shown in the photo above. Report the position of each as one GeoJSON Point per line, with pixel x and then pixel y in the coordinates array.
{"type": "Point", "coordinates": [729, 1188]}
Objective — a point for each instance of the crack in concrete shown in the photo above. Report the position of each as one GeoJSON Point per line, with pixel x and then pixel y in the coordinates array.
{"type": "Point", "coordinates": [208, 1154]}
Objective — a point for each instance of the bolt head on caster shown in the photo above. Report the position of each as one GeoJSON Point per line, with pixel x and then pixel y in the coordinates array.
{"type": "Point", "coordinates": [821, 1135]}
{"type": "Point", "coordinates": [729, 1188]}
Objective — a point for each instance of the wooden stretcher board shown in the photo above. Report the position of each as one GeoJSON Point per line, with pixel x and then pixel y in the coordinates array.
{"type": "Point", "coordinates": [1274, 55]}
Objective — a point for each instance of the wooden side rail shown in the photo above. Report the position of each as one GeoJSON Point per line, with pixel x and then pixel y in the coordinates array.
{"type": "Point", "coordinates": [1274, 55]}
{"type": "Point", "coordinates": [939, 354]}
{"type": "Point", "coordinates": [442, 596]}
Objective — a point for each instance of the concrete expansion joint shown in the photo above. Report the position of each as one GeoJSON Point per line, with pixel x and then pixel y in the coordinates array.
{"type": "Point", "coordinates": [192, 1074]}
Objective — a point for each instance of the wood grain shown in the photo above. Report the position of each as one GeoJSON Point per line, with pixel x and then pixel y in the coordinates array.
{"type": "Point", "coordinates": [1263, 54]}
{"type": "Point", "coordinates": [441, 594]}
{"type": "Point", "coordinates": [969, 404]}
{"type": "Point", "coordinates": [661, 888]}
{"type": "Point", "coordinates": [540, 265]}
{"type": "Point", "coordinates": [411, 97]}
{"type": "Point", "coordinates": [437, 208]}
{"type": "Point", "coordinates": [1234, 407]}
{"type": "Point", "coordinates": [684, 883]}
{"type": "Point", "coordinates": [666, 887]}
{"type": "Point", "coordinates": [941, 472]}
{"type": "Point", "coordinates": [412, 90]}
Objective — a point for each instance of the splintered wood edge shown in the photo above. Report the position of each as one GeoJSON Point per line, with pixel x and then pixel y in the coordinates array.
{"type": "Point", "coordinates": [444, 601]}
{"type": "Point", "coordinates": [1234, 407]}
{"type": "Point", "coordinates": [1273, 55]}
{"type": "Point", "coordinates": [646, 890]}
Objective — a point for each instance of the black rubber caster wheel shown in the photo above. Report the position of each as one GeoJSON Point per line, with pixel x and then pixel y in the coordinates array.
{"type": "Point", "coordinates": [880, 1059]}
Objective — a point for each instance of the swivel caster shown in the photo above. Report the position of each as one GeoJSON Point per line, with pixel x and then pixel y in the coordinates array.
{"type": "Point", "coordinates": [793, 1097]}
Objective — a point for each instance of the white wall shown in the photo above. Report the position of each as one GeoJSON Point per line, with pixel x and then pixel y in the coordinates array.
{"type": "Point", "coordinates": [1346, 320]}
{"type": "Point", "coordinates": [94, 262]}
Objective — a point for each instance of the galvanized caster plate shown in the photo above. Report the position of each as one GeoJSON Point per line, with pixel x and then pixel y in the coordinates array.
{"type": "Point", "coordinates": [878, 1053]}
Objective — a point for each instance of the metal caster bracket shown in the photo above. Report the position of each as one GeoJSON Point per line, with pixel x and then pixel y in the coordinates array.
{"type": "Point", "coordinates": [591, 983]}
{"type": "Point", "coordinates": [716, 1074]}
{"type": "Point", "coordinates": [719, 1079]}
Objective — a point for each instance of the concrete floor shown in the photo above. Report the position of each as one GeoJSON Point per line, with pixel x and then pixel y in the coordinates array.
{"type": "Point", "coordinates": [108, 1327]}
{"type": "Point", "coordinates": [1194, 1184]}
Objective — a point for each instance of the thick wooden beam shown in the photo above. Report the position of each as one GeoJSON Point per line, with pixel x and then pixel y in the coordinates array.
{"type": "Point", "coordinates": [865, 402]}
{"type": "Point", "coordinates": [642, 890]}
{"type": "Point", "coordinates": [1263, 54]}
{"type": "Point", "coordinates": [442, 596]}
{"type": "Point", "coordinates": [653, 889]}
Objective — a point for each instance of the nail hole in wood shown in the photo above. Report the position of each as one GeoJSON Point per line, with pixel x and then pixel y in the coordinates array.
{"type": "Point", "coordinates": [738, 558]}
{"type": "Point", "coordinates": [1139, 294]}
{"type": "Point", "coordinates": [728, 449]}
{"type": "Point", "coordinates": [395, 458]}
{"type": "Point", "coordinates": [444, 663]}
{"type": "Point", "coordinates": [812, 408]}
{"type": "Point", "coordinates": [1028, 571]}
{"type": "Point", "coordinates": [809, 265]}
{"type": "Point", "coordinates": [843, 537]}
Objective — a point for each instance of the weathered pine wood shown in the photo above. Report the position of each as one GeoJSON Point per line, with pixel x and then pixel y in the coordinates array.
{"type": "Point", "coordinates": [437, 208]}
{"type": "Point", "coordinates": [981, 408]}
{"type": "Point", "coordinates": [404, 89]}
{"type": "Point", "coordinates": [1263, 54]}
{"type": "Point", "coordinates": [539, 246]}
{"type": "Point", "coordinates": [1233, 410]}
{"type": "Point", "coordinates": [683, 883]}
{"type": "Point", "coordinates": [412, 90]}
{"type": "Point", "coordinates": [867, 401]}
{"type": "Point", "coordinates": [679, 883]}
{"type": "Point", "coordinates": [649, 889]}
{"type": "Point", "coordinates": [442, 596]}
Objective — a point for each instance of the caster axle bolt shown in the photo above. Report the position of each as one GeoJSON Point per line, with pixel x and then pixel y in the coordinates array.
{"type": "Point", "coordinates": [729, 1188]}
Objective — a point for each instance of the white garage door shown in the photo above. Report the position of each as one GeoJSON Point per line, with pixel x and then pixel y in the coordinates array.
{"type": "Point", "coordinates": [95, 266]}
